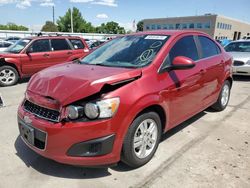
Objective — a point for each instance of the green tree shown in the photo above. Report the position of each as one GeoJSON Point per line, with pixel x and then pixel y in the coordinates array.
{"type": "Point", "coordinates": [13, 26]}
{"type": "Point", "coordinates": [49, 27]}
{"type": "Point", "coordinates": [79, 24]}
{"type": "Point", "coordinates": [140, 25]}
{"type": "Point", "coordinates": [110, 28]}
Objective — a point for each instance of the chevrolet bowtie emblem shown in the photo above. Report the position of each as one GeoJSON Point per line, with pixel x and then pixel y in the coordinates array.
{"type": "Point", "coordinates": [27, 120]}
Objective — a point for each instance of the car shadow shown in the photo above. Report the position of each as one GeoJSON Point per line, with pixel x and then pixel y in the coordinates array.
{"type": "Point", "coordinates": [53, 168]}
{"type": "Point", "coordinates": [241, 78]}
{"type": "Point", "coordinates": [23, 80]}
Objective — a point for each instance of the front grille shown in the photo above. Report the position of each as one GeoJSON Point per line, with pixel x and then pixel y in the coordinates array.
{"type": "Point", "coordinates": [45, 113]}
{"type": "Point", "coordinates": [238, 63]}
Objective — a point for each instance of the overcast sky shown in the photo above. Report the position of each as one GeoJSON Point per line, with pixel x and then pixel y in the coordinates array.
{"type": "Point", "coordinates": [34, 13]}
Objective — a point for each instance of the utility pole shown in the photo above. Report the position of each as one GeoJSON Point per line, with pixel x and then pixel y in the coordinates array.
{"type": "Point", "coordinates": [72, 28]}
{"type": "Point", "coordinates": [53, 9]}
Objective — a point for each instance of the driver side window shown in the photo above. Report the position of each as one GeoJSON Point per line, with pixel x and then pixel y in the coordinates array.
{"type": "Point", "coordinates": [40, 46]}
{"type": "Point", "coordinates": [184, 47]}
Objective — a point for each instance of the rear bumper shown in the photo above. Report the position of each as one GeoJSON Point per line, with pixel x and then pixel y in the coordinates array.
{"type": "Point", "coordinates": [79, 143]}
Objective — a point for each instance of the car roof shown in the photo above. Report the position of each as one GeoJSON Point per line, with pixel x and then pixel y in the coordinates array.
{"type": "Point", "coordinates": [3, 41]}
{"type": "Point", "coordinates": [170, 32]}
{"type": "Point", "coordinates": [52, 37]}
{"type": "Point", "coordinates": [241, 41]}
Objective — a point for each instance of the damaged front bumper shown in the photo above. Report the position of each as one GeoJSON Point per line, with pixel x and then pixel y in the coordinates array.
{"type": "Point", "coordinates": [92, 143]}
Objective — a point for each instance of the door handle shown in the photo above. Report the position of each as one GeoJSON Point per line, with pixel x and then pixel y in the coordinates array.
{"type": "Point", "coordinates": [69, 53]}
{"type": "Point", "coordinates": [45, 55]}
{"type": "Point", "coordinates": [202, 71]}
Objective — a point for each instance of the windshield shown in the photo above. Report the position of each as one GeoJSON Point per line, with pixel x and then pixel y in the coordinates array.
{"type": "Point", "coordinates": [18, 46]}
{"type": "Point", "coordinates": [128, 51]}
{"type": "Point", "coordinates": [238, 47]}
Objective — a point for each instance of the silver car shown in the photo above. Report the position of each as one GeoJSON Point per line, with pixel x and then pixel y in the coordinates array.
{"type": "Point", "coordinates": [240, 50]}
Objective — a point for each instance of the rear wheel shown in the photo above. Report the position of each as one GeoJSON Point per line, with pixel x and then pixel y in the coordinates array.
{"type": "Point", "coordinates": [142, 139]}
{"type": "Point", "coordinates": [224, 96]}
{"type": "Point", "coordinates": [8, 76]}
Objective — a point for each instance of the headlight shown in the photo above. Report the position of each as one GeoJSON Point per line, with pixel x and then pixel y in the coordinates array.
{"type": "Point", "coordinates": [105, 108]}
{"type": "Point", "coordinates": [91, 110]}
{"type": "Point", "coordinates": [248, 62]}
{"type": "Point", "coordinates": [74, 112]}
{"type": "Point", "coordinates": [108, 107]}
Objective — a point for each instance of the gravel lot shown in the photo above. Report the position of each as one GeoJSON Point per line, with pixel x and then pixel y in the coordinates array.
{"type": "Point", "coordinates": [209, 150]}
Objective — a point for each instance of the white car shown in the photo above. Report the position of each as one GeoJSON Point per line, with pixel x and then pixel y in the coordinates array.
{"type": "Point", "coordinates": [4, 45]}
{"type": "Point", "coordinates": [240, 50]}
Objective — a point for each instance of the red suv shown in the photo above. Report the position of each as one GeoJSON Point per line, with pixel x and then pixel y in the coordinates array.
{"type": "Point", "coordinates": [115, 103]}
{"type": "Point", "coordinates": [30, 55]}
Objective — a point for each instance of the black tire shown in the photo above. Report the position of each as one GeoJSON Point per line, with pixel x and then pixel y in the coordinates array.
{"type": "Point", "coordinates": [129, 155]}
{"type": "Point", "coordinates": [13, 76]}
{"type": "Point", "coordinates": [219, 106]}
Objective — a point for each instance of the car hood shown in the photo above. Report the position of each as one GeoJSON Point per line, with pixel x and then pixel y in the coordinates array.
{"type": "Point", "coordinates": [241, 56]}
{"type": "Point", "coordinates": [68, 83]}
{"type": "Point", "coordinates": [4, 54]}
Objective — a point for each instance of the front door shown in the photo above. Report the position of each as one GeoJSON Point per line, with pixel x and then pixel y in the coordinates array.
{"type": "Point", "coordinates": [37, 57]}
{"type": "Point", "coordinates": [187, 94]}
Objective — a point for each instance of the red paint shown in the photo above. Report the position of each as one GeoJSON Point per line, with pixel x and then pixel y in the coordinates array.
{"type": "Point", "coordinates": [29, 64]}
{"type": "Point", "coordinates": [197, 89]}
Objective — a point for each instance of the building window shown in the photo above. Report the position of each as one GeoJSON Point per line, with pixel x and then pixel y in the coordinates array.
{"type": "Point", "coordinates": [147, 27]}
{"type": "Point", "coordinates": [171, 26]}
{"type": "Point", "coordinates": [158, 26]}
{"type": "Point", "coordinates": [165, 26]}
{"type": "Point", "coordinates": [153, 27]}
{"type": "Point", "coordinates": [207, 25]}
{"type": "Point", "coordinates": [218, 25]}
{"type": "Point", "coordinates": [199, 25]}
{"type": "Point", "coordinates": [191, 25]}
{"type": "Point", "coordinates": [184, 26]}
{"type": "Point", "coordinates": [178, 26]}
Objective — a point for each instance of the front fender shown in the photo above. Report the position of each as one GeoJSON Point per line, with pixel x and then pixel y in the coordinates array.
{"type": "Point", "coordinates": [12, 62]}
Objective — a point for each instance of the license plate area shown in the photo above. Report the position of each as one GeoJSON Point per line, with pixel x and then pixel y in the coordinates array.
{"type": "Point", "coordinates": [32, 135]}
{"type": "Point", "coordinates": [27, 133]}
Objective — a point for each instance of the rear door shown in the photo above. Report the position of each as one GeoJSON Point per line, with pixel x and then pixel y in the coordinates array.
{"type": "Point", "coordinates": [61, 51]}
{"type": "Point", "coordinates": [80, 48]}
{"type": "Point", "coordinates": [37, 56]}
{"type": "Point", "coordinates": [186, 97]}
{"type": "Point", "coordinates": [213, 61]}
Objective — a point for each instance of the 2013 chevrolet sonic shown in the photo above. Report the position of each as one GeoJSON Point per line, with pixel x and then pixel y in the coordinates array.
{"type": "Point", "coordinates": [115, 103]}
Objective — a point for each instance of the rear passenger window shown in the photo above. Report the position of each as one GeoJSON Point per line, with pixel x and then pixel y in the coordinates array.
{"type": "Point", "coordinates": [208, 47]}
{"type": "Point", "coordinates": [77, 44]}
{"type": "Point", "coordinates": [59, 44]}
{"type": "Point", "coordinates": [184, 47]}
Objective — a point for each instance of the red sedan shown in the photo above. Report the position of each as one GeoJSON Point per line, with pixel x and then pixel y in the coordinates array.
{"type": "Point", "coordinates": [115, 103]}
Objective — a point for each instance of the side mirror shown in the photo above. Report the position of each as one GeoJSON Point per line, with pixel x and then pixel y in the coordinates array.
{"type": "Point", "coordinates": [28, 51]}
{"type": "Point", "coordinates": [182, 63]}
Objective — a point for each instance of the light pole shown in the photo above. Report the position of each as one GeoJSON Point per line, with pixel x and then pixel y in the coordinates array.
{"type": "Point", "coordinates": [53, 14]}
{"type": "Point", "coordinates": [72, 27]}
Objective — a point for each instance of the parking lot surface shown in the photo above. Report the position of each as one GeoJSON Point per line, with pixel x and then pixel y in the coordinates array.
{"type": "Point", "coordinates": [209, 150]}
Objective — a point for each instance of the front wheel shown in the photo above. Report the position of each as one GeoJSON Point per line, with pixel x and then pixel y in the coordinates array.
{"type": "Point", "coordinates": [142, 139]}
{"type": "Point", "coordinates": [224, 96]}
{"type": "Point", "coordinates": [8, 76]}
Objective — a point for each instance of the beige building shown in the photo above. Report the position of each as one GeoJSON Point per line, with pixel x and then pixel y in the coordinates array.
{"type": "Point", "coordinates": [219, 27]}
